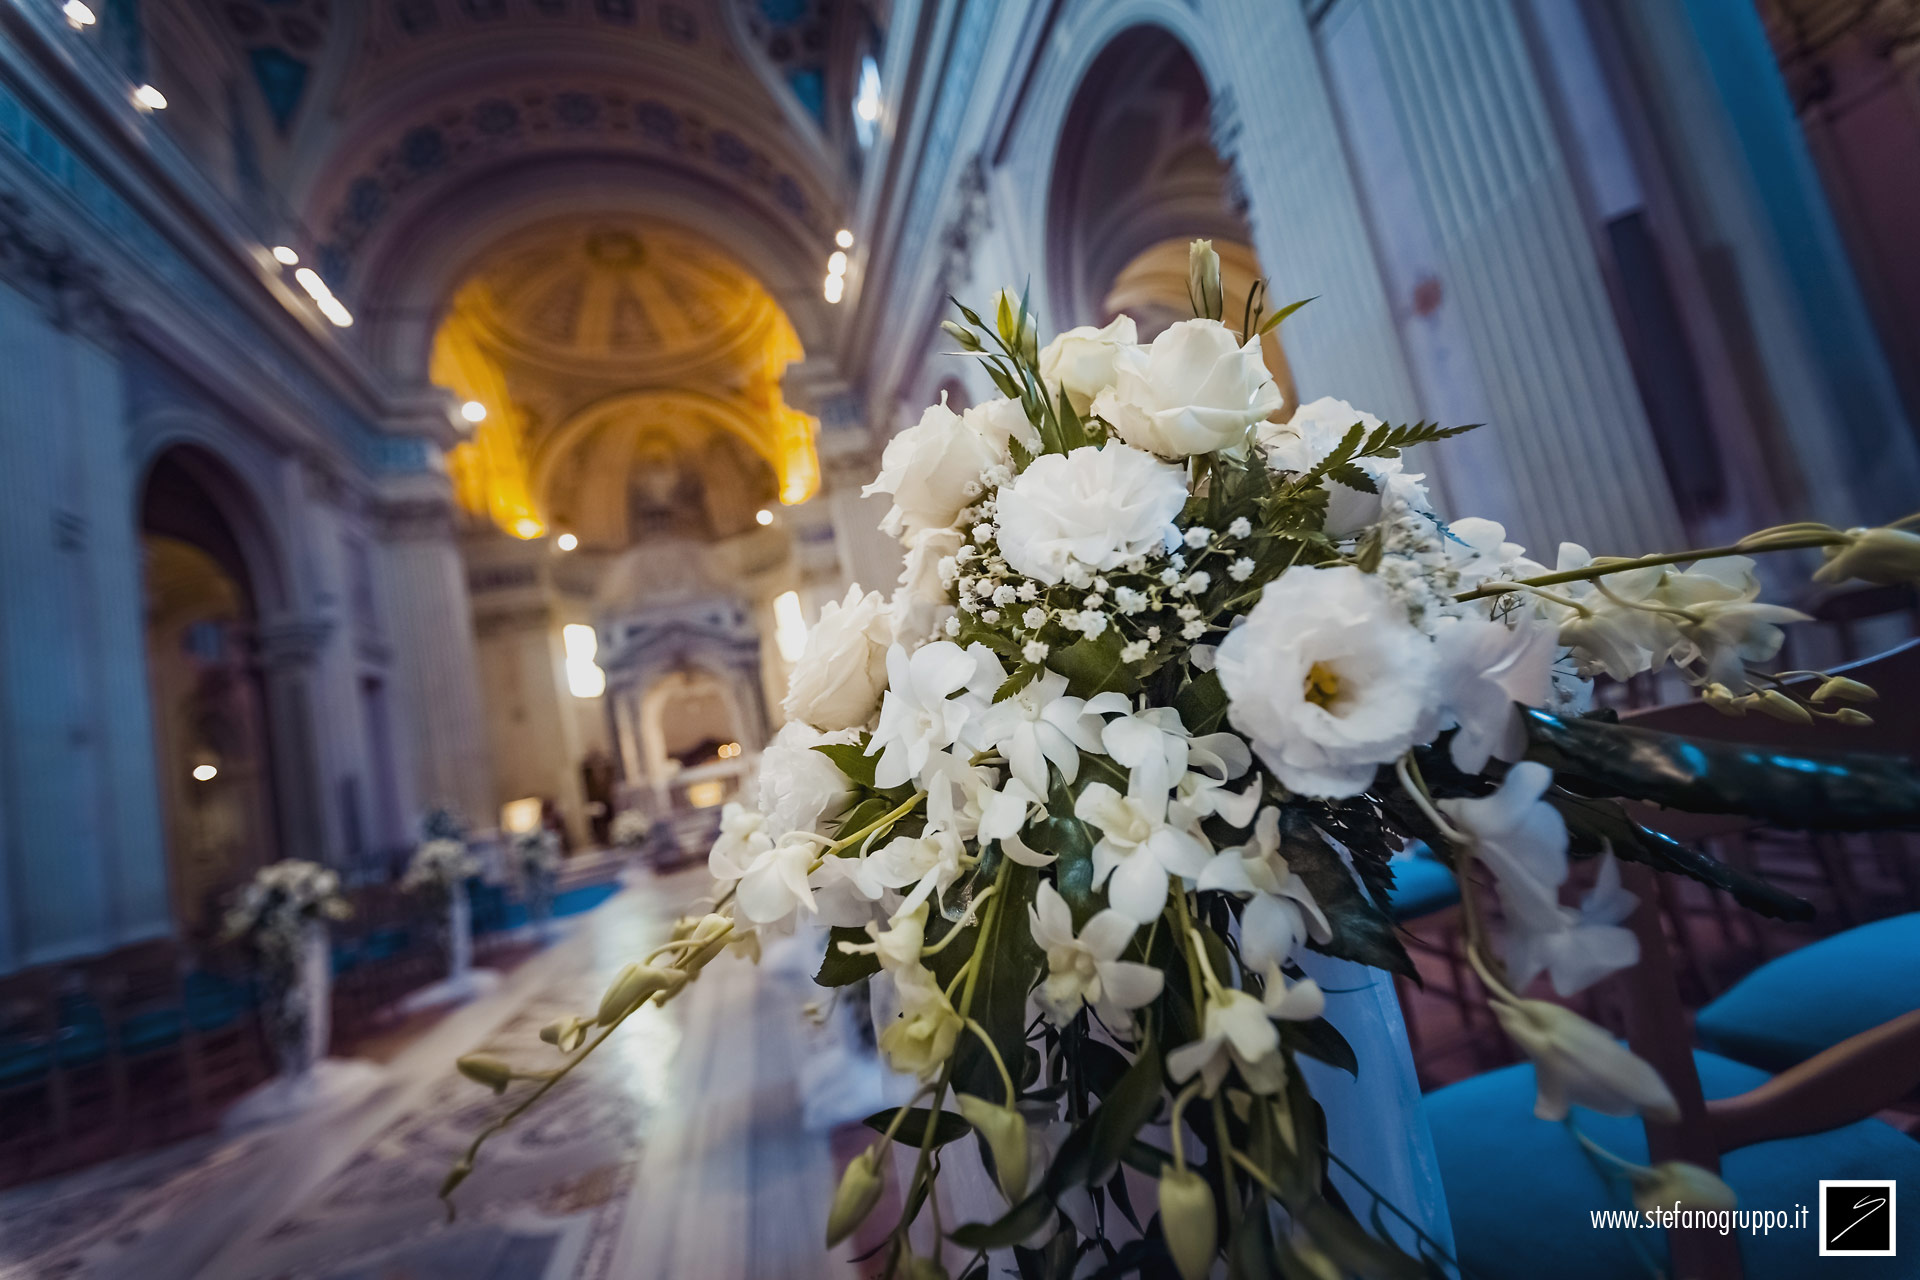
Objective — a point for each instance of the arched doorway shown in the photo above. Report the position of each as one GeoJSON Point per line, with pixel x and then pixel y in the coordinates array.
{"type": "Point", "coordinates": [204, 680]}
{"type": "Point", "coordinates": [1136, 179]}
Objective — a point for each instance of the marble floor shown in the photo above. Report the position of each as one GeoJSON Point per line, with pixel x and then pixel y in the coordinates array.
{"type": "Point", "coordinates": [680, 1150]}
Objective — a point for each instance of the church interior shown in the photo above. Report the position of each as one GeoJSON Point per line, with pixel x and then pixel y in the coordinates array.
{"type": "Point", "coordinates": [446, 419]}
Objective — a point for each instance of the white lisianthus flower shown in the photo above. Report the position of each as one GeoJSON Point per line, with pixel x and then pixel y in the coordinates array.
{"type": "Point", "coordinates": [1138, 850]}
{"type": "Point", "coordinates": [1080, 361]}
{"type": "Point", "coordinates": [1327, 679]}
{"type": "Point", "coordinates": [1281, 912]}
{"type": "Point", "coordinates": [1314, 431]}
{"type": "Point", "coordinates": [926, 1027]}
{"type": "Point", "coordinates": [1577, 1064]}
{"type": "Point", "coordinates": [919, 714]}
{"type": "Point", "coordinates": [1195, 390]}
{"type": "Point", "coordinates": [838, 680]}
{"type": "Point", "coordinates": [928, 467]}
{"type": "Point", "coordinates": [1089, 510]}
{"type": "Point", "coordinates": [1485, 668]}
{"type": "Point", "coordinates": [1087, 969]}
{"type": "Point", "coordinates": [799, 787]}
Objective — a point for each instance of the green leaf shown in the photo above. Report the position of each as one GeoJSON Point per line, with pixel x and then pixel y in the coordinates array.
{"type": "Point", "coordinates": [837, 968]}
{"type": "Point", "coordinates": [1595, 825]}
{"type": "Point", "coordinates": [1321, 1039]}
{"type": "Point", "coordinates": [851, 759]}
{"type": "Point", "coordinates": [1354, 1251]}
{"type": "Point", "coordinates": [1273, 321]}
{"type": "Point", "coordinates": [1353, 477]}
{"type": "Point", "coordinates": [1003, 380]}
{"type": "Point", "coordinates": [1012, 1227]}
{"type": "Point", "coordinates": [1094, 666]}
{"type": "Point", "coordinates": [1805, 791]}
{"type": "Point", "coordinates": [1073, 433]}
{"type": "Point", "coordinates": [1022, 456]}
{"type": "Point", "coordinates": [948, 1128]}
{"type": "Point", "coordinates": [1361, 931]}
{"type": "Point", "coordinates": [1023, 675]}
{"type": "Point", "coordinates": [1202, 704]}
{"type": "Point", "coordinates": [1094, 1149]}
{"type": "Point", "coordinates": [1387, 442]}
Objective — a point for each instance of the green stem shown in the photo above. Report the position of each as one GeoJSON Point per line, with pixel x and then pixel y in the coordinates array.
{"type": "Point", "coordinates": [1765, 540]}
{"type": "Point", "coordinates": [1006, 1080]}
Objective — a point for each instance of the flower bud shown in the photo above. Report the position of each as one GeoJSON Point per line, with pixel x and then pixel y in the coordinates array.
{"type": "Point", "coordinates": [1203, 279]}
{"type": "Point", "coordinates": [858, 1192]}
{"type": "Point", "coordinates": [1006, 1133]}
{"type": "Point", "coordinates": [1677, 1184]}
{"type": "Point", "coordinates": [1006, 314]}
{"type": "Point", "coordinates": [1844, 689]}
{"type": "Point", "coordinates": [917, 1268]}
{"type": "Point", "coordinates": [1886, 556]}
{"type": "Point", "coordinates": [1781, 707]}
{"type": "Point", "coordinates": [710, 929]}
{"type": "Point", "coordinates": [484, 1068]}
{"type": "Point", "coordinates": [566, 1033]}
{"type": "Point", "coordinates": [1722, 699]}
{"type": "Point", "coordinates": [455, 1176]}
{"type": "Point", "coordinates": [1187, 1221]}
{"type": "Point", "coordinates": [961, 334]}
{"type": "Point", "coordinates": [1850, 716]}
{"type": "Point", "coordinates": [632, 987]}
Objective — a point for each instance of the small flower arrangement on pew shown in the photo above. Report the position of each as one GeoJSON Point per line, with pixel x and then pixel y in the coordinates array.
{"type": "Point", "coordinates": [438, 867]}
{"type": "Point", "coordinates": [280, 916]}
{"type": "Point", "coordinates": [1166, 683]}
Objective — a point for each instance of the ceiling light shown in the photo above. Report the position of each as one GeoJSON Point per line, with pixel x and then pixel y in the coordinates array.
{"type": "Point", "coordinates": [763, 516]}
{"type": "Point", "coordinates": [834, 287]}
{"type": "Point", "coordinates": [150, 98]}
{"type": "Point", "coordinates": [837, 264]}
{"type": "Point", "coordinates": [843, 238]}
{"type": "Point", "coordinates": [566, 542]}
{"type": "Point", "coordinates": [285, 256]}
{"type": "Point", "coordinates": [78, 14]}
{"type": "Point", "coordinates": [330, 307]}
{"type": "Point", "coordinates": [205, 773]}
{"type": "Point", "coordinates": [527, 528]}
{"type": "Point", "coordinates": [473, 411]}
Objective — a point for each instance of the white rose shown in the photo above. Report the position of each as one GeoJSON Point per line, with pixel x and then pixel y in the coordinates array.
{"type": "Point", "coordinates": [929, 466]}
{"type": "Point", "coordinates": [798, 786]}
{"type": "Point", "coordinates": [1094, 506]}
{"type": "Point", "coordinates": [1080, 361]}
{"type": "Point", "coordinates": [998, 421]}
{"type": "Point", "coordinates": [1327, 679]}
{"type": "Point", "coordinates": [841, 673]}
{"type": "Point", "coordinates": [1194, 390]}
{"type": "Point", "coordinates": [1313, 432]}
{"type": "Point", "coordinates": [921, 603]}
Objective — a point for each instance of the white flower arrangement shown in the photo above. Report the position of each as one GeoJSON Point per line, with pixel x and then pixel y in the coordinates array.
{"type": "Point", "coordinates": [1165, 684]}
{"type": "Point", "coordinates": [274, 907]}
{"type": "Point", "coordinates": [538, 853]}
{"type": "Point", "coordinates": [439, 866]}
{"type": "Point", "coordinates": [630, 827]}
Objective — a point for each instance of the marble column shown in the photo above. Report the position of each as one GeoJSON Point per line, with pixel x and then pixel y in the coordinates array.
{"type": "Point", "coordinates": [430, 625]}
{"type": "Point", "coordinates": [82, 861]}
{"type": "Point", "coordinates": [1515, 251]}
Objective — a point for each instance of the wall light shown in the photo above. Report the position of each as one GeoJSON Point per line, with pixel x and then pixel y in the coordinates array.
{"type": "Point", "coordinates": [205, 772]}
{"type": "Point", "coordinates": [763, 516]}
{"type": "Point", "coordinates": [705, 795]}
{"type": "Point", "coordinates": [566, 542]}
{"type": "Point", "coordinates": [728, 751]}
{"type": "Point", "coordinates": [473, 411]}
{"type": "Point", "coordinates": [837, 264]}
{"type": "Point", "coordinates": [150, 98]}
{"type": "Point", "coordinates": [789, 626]}
{"type": "Point", "coordinates": [584, 678]}
{"type": "Point", "coordinates": [78, 15]}
{"type": "Point", "coordinates": [843, 238]}
{"type": "Point", "coordinates": [527, 528]}
{"type": "Point", "coordinates": [835, 286]}
{"type": "Point", "coordinates": [285, 256]}
{"type": "Point", "coordinates": [330, 307]}
{"type": "Point", "coordinates": [517, 817]}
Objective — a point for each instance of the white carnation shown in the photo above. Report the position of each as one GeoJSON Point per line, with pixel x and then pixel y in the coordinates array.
{"type": "Point", "coordinates": [799, 787]}
{"type": "Point", "coordinates": [1327, 679]}
{"type": "Point", "coordinates": [1088, 510]}
{"type": "Point", "coordinates": [1080, 361]}
{"type": "Point", "coordinates": [1195, 390]}
{"type": "Point", "coordinates": [838, 681]}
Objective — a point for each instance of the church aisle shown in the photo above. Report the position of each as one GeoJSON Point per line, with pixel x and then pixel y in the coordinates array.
{"type": "Point", "coordinates": [676, 1151]}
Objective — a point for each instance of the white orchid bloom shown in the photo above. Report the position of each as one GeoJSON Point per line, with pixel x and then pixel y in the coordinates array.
{"type": "Point", "coordinates": [898, 946]}
{"type": "Point", "coordinates": [1577, 1064]}
{"type": "Point", "coordinates": [743, 837]}
{"type": "Point", "coordinates": [1726, 626]}
{"type": "Point", "coordinates": [1138, 850]}
{"type": "Point", "coordinates": [1152, 745]}
{"type": "Point", "coordinates": [924, 1031]}
{"type": "Point", "coordinates": [1605, 628]}
{"type": "Point", "coordinates": [1301, 1001]}
{"type": "Point", "coordinates": [1282, 912]}
{"type": "Point", "coordinates": [1485, 668]}
{"type": "Point", "coordinates": [919, 714]}
{"type": "Point", "coordinates": [775, 884]}
{"type": "Point", "coordinates": [1523, 841]}
{"type": "Point", "coordinates": [1087, 969]}
{"type": "Point", "coordinates": [1043, 724]}
{"type": "Point", "coordinates": [929, 862]}
{"type": "Point", "coordinates": [1212, 762]}
{"type": "Point", "coordinates": [1235, 1032]}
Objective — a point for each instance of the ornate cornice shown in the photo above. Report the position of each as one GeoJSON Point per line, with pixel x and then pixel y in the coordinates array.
{"type": "Point", "coordinates": [43, 264]}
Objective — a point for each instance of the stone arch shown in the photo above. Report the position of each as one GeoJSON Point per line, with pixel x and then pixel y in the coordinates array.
{"type": "Point", "coordinates": [236, 493]}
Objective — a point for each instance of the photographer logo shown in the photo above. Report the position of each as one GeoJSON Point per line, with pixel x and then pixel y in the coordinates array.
{"type": "Point", "coordinates": [1856, 1219]}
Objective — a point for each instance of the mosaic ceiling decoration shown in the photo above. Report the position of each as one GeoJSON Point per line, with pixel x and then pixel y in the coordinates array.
{"type": "Point", "coordinates": [282, 40]}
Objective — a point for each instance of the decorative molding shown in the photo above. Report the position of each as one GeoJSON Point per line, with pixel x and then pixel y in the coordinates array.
{"type": "Point", "coordinates": [969, 223]}
{"type": "Point", "coordinates": [293, 642]}
{"type": "Point", "coordinates": [43, 264]}
{"type": "Point", "coordinates": [413, 519]}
